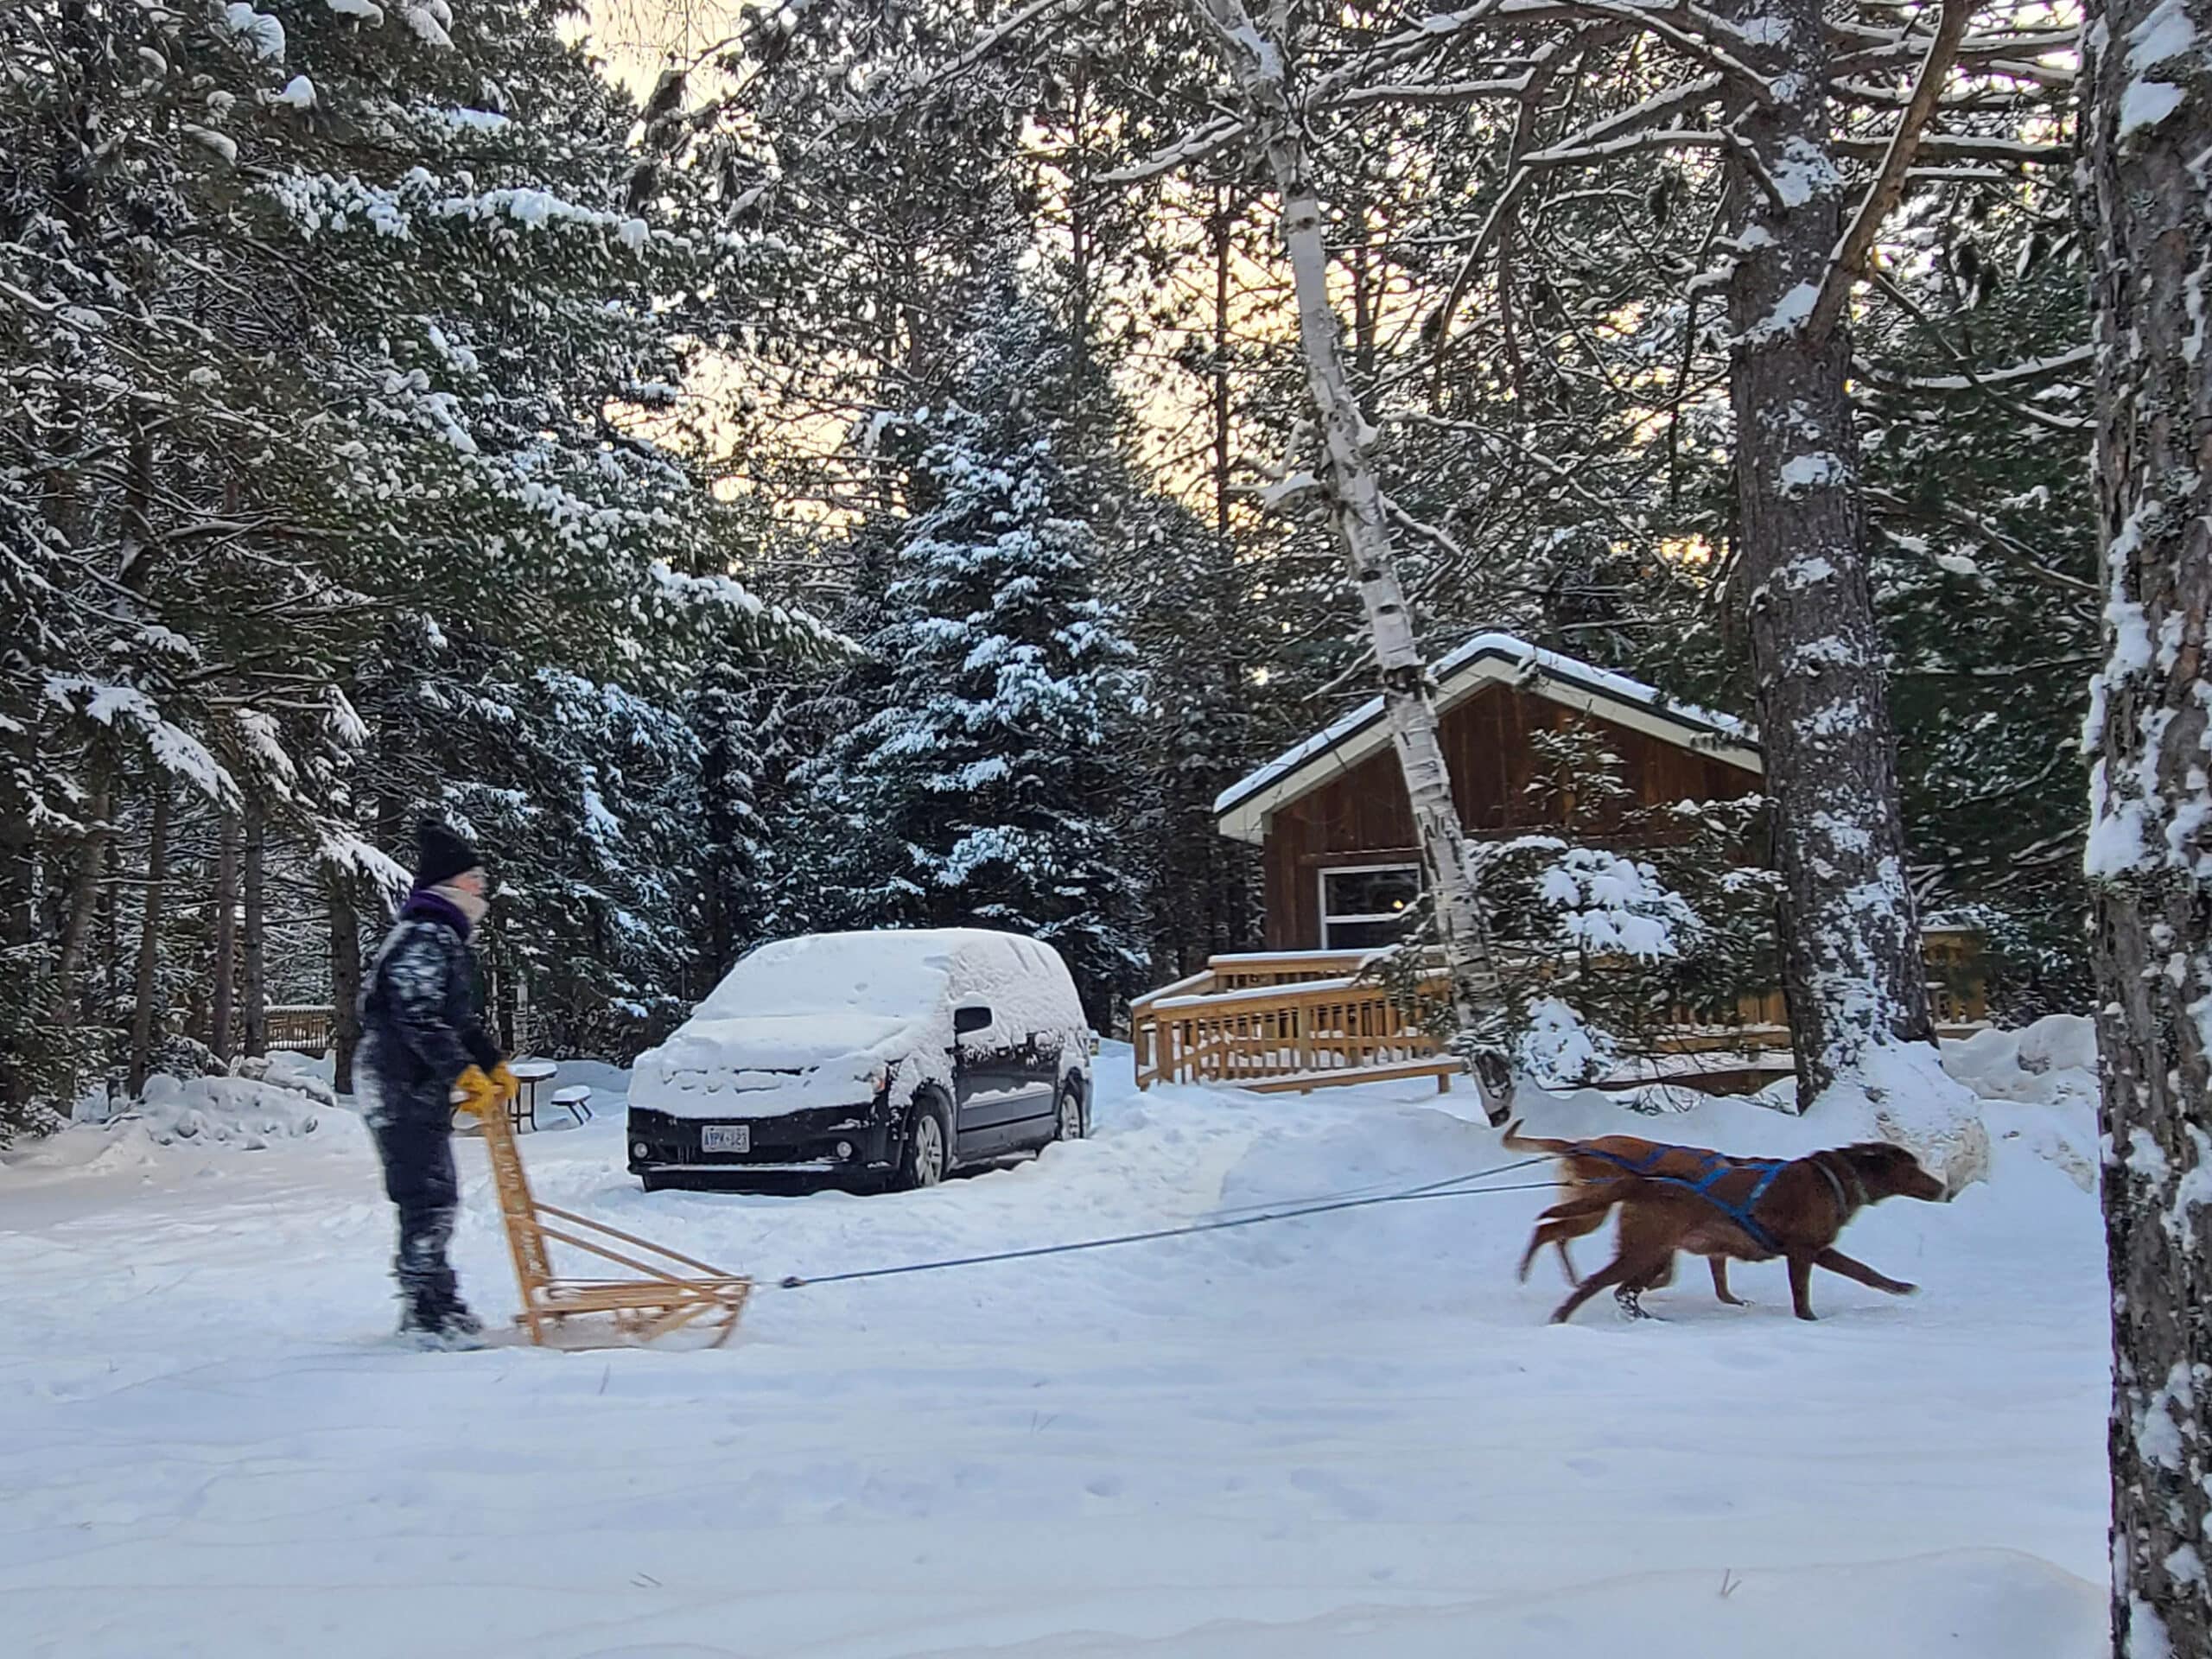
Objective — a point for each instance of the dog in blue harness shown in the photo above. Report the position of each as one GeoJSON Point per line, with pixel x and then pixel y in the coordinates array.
{"type": "Point", "coordinates": [1584, 1164]}
{"type": "Point", "coordinates": [1748, 1211]}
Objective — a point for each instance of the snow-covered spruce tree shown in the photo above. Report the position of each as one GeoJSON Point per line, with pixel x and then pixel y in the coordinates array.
{"type": "Point", "coordinates": [1973, 386]}
{"type": "Point", "coordinates": [994, 765]}
{"type": "Point", "coordinates": [2147, 129]}
{"type": "Point", "coordinates": [392, 281]}
{"type": "Point", "coordinates": [753, 869]}
{"type": "Point", "coordinates": [592, 817]}
{"type": "Point", "coordinates": [1197, 627]}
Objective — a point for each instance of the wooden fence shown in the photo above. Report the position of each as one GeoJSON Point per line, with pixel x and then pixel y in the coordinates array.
{"type": "Point", "coordinates": [311, 1028]}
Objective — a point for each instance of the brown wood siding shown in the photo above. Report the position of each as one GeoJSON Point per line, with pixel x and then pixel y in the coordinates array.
{"type": "Point", "coordinates": [1362, 815]}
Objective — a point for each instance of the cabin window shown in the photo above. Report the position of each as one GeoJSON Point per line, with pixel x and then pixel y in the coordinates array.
{"type": "Point", "coordinates": [1364, 907]}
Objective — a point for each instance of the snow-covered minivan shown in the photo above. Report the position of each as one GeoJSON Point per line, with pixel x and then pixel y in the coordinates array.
{"type": "Point", "coordinates": [866, 1060]}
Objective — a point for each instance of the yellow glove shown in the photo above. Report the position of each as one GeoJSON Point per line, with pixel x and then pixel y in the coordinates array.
{"type": "Point", "coordinates": [475, 1092]}
{"type": "Point", "coordinates": [506, 1082]}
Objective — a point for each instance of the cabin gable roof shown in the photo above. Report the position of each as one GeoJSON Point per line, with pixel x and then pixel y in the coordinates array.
{"type": "Point", "coordinates": [1241, 809]}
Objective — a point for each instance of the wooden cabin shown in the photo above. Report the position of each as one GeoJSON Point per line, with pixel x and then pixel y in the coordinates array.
{"type": "Point", "coordinates": [1335, 830]}
{"type": "Point", "coordinates": [1334, 826]}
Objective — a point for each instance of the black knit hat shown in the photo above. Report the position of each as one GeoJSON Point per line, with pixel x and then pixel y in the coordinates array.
{"type": "Point", "coordinates": [445, 854]}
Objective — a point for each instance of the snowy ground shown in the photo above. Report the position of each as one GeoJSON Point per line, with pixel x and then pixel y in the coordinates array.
{"type": "Point", "coordinates": [1350, 1434]}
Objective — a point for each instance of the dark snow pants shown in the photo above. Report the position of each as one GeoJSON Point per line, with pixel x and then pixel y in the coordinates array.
{"type": "Point", "coordinates": [420, 1179]}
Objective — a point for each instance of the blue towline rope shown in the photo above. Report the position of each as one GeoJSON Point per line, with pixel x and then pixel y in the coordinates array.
{"type": "Point", "coordinates": [1443, 1189]}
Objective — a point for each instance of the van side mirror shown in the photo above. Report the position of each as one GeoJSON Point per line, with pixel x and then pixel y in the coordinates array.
{"type": "Point", "coordinates": [971, 1018]}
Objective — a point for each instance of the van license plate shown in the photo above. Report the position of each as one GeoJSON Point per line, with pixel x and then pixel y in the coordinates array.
{"type": "Point", "coordinates": [726, 1137]}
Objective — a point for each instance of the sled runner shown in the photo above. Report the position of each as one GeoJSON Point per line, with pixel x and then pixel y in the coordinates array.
{"type": "Point", "coordinates": [668, 1292]}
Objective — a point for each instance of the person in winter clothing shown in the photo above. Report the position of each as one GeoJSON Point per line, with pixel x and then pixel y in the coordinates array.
{"type": "Point", "coordinates": [421, 1028]}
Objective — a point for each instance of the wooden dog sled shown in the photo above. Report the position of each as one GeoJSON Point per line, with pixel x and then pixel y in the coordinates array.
{"type": "Point", "coordinates": [665, 1291]}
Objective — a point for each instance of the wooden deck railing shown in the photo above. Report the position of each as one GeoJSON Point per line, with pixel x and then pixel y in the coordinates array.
{"type": "Point", "coordinates": [1305, 1020]}
{"type": "Point", "coordinates": [303, 1029]}
{"type": "Point", "coordinates": [1299, 1020]}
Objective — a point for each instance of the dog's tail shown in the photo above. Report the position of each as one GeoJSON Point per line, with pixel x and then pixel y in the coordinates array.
{"type": "Point", "coordinates": [1515, 1141]}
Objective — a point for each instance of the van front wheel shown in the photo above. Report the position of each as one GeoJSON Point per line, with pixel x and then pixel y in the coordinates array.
{"type": "Point", "coordinates": [926, 1155]}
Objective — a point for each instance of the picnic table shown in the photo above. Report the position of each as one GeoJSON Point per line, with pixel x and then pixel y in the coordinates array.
{"type": "Point", "coordinates": [531, 1074]}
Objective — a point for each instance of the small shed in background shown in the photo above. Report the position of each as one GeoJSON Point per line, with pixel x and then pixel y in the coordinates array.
{"type": "Point", "coordinates": [1334, 825]}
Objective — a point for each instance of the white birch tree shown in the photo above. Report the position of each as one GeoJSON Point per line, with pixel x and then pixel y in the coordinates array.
{"type": "Point", "coordinates": [1349, 482]}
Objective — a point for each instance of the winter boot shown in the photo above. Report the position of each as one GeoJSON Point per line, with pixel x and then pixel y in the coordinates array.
{"type": "Point", "coordinates": [418, 1313]}
{"type": "Point", "coordinates": [431, 1326]}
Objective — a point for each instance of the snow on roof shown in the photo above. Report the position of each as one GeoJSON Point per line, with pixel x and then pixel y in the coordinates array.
{"type": "Point", "coordinates": [1661, 715]}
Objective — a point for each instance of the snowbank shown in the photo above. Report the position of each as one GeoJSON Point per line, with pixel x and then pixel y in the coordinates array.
{"type": "Point", "coordinates": [1902, 1094]}
{"type": "Point", "coordinates": [2053, 1059]}
{"type": "Point", "coordinates": [222, 1111]}
{"type": "Point", "coordinates": [2037, 1086]}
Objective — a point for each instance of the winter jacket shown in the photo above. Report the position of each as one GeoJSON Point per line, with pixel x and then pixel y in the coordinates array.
{"type": "Point", "coordinates": [421, 1018]}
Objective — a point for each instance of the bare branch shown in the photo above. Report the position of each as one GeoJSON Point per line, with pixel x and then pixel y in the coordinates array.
{"type": "Point", "coordinates": [1665, 106]}
{"type": "Point", "coordinates": [1850, 255]}
{"type": "Point", "coordinates": [1981, 382]}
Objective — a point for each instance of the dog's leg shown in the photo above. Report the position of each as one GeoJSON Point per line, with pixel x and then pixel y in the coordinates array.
{"type": "Point", "coordinates": [1800, 1287]}
{"type": "Point", "coordinates": [1629, 1297]}
{"type": "Point", "coordinates": [1719, 1266]}
{"type": "Point", "coordinates": [1836, 1261]}
{"type": "Point", "coordinates": [1567, 1262]}
{"type": "Point", "coordinates": [1613, 1273]}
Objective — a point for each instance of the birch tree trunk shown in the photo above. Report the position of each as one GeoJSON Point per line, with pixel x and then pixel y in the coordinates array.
{"type": "Point", "coordinates": [147, 987]}
{"type": "Point", "coordinates": [1852, 974]}
{"type": "Point", "coordinates": [257, 929]}
{"type": "Point", "coordinates": [1256, 62]}
{"type": "Point", "coordinates": [226, 947]}
{"type": "Point", "coordinates": [2146, 134]}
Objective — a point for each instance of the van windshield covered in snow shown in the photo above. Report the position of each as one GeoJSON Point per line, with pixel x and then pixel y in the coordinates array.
{"type": "Point", "coordinates": [897, 975]}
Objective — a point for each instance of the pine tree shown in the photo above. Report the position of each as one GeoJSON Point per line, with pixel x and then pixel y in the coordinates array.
{"type": "Point", "coordinates": [377, 302]}
{"type": "Point", "coordinates": [992, 767]}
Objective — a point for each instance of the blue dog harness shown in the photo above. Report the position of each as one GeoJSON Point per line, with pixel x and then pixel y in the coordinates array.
{"type": "Point", "coordinates": [1712, 1165]}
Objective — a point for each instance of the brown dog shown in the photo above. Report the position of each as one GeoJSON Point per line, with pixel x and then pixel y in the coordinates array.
{"type": "Point", "coordinates": [1750, 1213]}
{"type": "Point", "coordinates": [1587, 1164]}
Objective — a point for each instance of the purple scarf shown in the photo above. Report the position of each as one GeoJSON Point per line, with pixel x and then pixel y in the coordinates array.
{"type": "Point", "coordinates": [426, 906]}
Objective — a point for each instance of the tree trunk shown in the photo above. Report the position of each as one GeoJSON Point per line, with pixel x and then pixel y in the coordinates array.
{"type": "Point", "coordinates": [1080, 276]}
{"type": "Point", "coordinates": [1356, 506]}
{"type": "Point", "coordinates": [148, 987]}
{"type": "Point", "coordinates": [1220, 228]}
{"type": "Point", "coordinates": [257, 920]}
{"type": "Point", "coordinates": [19, 936]}
{"type": "Point", "coordinates": [222, 968]}
{"type": "Point", "coordinates": [345, 982]}
{"type": "Point", "coordinates": [1851, 967]}
{"type": "Point", "coordinates": [85, 891]}
{"type": "Point", "coordinates": [2146, 127]}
